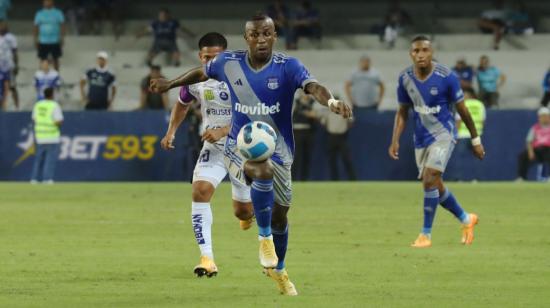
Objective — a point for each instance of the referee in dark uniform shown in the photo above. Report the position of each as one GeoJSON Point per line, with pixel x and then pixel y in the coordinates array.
{"type": "Point", "coordinates": [101, 85]}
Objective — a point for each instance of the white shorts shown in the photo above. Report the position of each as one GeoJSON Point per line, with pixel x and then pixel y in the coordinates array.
{"type": "Point", "coordinates": [211, 168]}
{"type": "Point", "coordinates": [436, 156]}
{"type": "Point", "coordinates": [282, 178]}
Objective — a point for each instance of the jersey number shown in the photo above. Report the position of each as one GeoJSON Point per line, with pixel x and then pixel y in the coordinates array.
{"type": "Point", "coordinates": [205, 156]}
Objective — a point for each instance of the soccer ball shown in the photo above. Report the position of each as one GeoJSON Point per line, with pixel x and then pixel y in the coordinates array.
{"type": "Point", "coordinates": [256, 141]}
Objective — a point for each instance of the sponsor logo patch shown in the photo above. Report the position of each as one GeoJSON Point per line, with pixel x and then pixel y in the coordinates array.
{"type": "Point", "coordinates": [258, 109]}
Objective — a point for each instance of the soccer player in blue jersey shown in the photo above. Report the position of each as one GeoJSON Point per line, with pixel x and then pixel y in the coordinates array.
{"type": "Point", "coordinates": [262, 85]}
{"type": "Point", "coordinates": [432, 90]}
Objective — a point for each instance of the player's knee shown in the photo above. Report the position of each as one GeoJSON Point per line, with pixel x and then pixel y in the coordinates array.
{"type": "Point", "coordinates": [243, 213]}
{"type": "Point", "coordinates": [279, 218]}
{"type": "Point", "coordinates": [430, 179]}
{"type": "Point", "coordinates": [202, 191]}
{"type": "Point", "coordinates": [259, 170]}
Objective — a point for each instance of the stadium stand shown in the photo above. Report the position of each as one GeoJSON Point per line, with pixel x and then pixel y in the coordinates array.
{"type": "Point", "coordinates": [346, 36]}
{"type": "Point", "coordinates": [332, 64]}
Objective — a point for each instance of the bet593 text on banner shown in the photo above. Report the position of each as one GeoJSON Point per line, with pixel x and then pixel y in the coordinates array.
{"type": "Point", "coordinates": [95, 146]}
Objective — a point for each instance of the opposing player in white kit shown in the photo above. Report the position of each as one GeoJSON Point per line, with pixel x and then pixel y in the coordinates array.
{"type": "Point", "coordinates": [214, 99]}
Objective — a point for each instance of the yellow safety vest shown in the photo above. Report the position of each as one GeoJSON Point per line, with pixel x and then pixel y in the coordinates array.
{"type": "Point", "coordinates": [477, 111]}
{"type": "Point", "coordinates": [45, 128]}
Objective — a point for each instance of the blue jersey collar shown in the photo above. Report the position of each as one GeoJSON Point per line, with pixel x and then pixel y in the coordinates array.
{"type": "Point", "coordinates": [261, 68]}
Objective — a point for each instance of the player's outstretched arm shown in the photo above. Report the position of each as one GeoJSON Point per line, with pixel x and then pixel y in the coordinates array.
{"type": "Point", "coordinates": [160, 85]}
{"type": "Point", "coordinates": [325, 98]}
{"type": "Point", "coordinates": [401, 117]}
{"type": "Point", "coordinates": [462, 110]}
{"type": "Point", "coordinates": [179, 112]}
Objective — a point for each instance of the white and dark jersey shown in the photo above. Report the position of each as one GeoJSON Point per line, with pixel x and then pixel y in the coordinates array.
{"type": "Point", "coordinates": [8, 43]}
{"type": "Point", "coordinates": [214, 100]}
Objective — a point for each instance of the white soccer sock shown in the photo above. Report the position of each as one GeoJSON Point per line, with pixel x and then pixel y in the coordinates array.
{"type": "Point", "coordinates": [201, 219]}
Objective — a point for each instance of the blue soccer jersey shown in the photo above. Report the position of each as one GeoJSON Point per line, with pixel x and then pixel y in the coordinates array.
{"type": "Point", "coordinates": [266, 94]}
{"type": "Point", "coordinates": [432, 101]}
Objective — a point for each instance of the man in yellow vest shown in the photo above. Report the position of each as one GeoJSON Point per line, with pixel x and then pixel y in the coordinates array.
{"type": "Point", "coordinates": [463, 167]}
{"type": "Point", "coordinates": [47, 117]}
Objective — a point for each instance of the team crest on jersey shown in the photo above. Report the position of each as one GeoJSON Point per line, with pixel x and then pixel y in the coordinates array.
{"type": "Point", "coordinates": [273, 83]}
{"type": "Point", "coordinates": [222, 86]}
{"type": "Point", "coordinates": [434, 91]}
{"type": "Point", "coordinates": [224, 96]}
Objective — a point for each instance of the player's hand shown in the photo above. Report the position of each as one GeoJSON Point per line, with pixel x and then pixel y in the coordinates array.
{"type": "Point", "coordinates": [531, 155]}
{"type": "Point", "coordinates": [393, 151]}
{"type": "Point", "coordinates": [341, 108]}
{"type": "Point", "coordinates": [159, 85]}
{"type": "Point", "coordinates": [212, 135]}
{"type": "Point", "coordinates": [167, 143]}
{"type": "Point", "coordinates": [479, 151]}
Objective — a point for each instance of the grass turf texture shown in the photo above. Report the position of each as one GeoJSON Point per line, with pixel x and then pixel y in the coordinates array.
{"type": "Point", "coordinates": [131, 245]}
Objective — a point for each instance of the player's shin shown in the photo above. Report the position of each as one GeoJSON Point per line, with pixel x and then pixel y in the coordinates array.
{"type": "Point", "coordinates": [201, 218]}
{"type": "Point", "coordinates": [448, 201]}
{"type": "Point", "coordinates": [262, 197]}
{"type": "Point", "coordinates": [280, 239]}
{"type": "Point", "coordinates": [431, 200]}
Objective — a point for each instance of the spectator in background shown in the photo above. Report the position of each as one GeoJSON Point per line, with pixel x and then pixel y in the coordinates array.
{"type": "Point", "coordinates": [519, 21]}
{"type": "Point", "coordinates": [49, 32]}
{"type": "Point", "coordinates": [306, 23]}
{"type": "Point", "coordinates": [337, 129]}
{"type": "Point", "coordinates": [149, 100]}
{"type": "Point", "coordinates": [546, 89]}
{"type": "Point", "coordinates": [395, 23]}
{"type": "Point", "coordinates": [537, 144]}
{"type": "Point", "coordinates": [280, 15]}
{"type": "Point", "coordinates": [463, 152]}
{"type": "Point", "coordinates": [76, 15]}
{"type": "Point", "coordinates": [465, 73]}
{"type": "Point", "coordinates": [45, 78]}
{"type": "Point", "coordinates": [48, 118]}
{"type": "Point", "coordinates": [4, 89]}
{"type": "Point", "coordinates": [9, 60]}
{"type": "Point", "coordinates": [303, 119]}
{"type": "Point", "coordinates": [107, 10]}
{"type": "Point", "coordinates": [494, 21]}
{"type": "Point", "coordinates": [365, 89]}
{"type": "Point", "coordinates": [101, 85]}
{"type": "Point", "coordinates": [5, 5]}
{"type": "Point", "coordinates": [165, 34]}
{"type": "Point", "coordinates": [489, 79]}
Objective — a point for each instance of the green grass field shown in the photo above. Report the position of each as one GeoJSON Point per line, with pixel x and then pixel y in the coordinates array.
{"type": "Point", "coordinates": [131, 245]}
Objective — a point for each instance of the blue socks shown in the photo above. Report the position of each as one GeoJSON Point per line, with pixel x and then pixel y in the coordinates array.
{"type": "Point", "coordinates": [280, 239]}
{"type": "Point", "coordinates": [449, 202]}
{"type": "Point", "coordinates": [431, 200]}
{"type": "Point", "coordinates": [262, 199]}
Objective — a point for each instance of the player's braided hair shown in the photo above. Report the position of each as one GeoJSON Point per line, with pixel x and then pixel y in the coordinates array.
{"type": "Point", "coordinates": [212, 39]}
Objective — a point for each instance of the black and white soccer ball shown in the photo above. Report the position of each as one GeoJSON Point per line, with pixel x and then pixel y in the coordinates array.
{"type": "Point", "coordinates": [256, 141]}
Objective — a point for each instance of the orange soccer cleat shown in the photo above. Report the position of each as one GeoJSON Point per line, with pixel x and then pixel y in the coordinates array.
{"type": "Point", "coordinates": [207, 268]}
{"type": "Point", "coordinates": [286, 287]}
{"type": "Point", "coordinates": [422, 241]}
{"type": "Point", "coordinates": [468, 230]}
{"type": "Point", "coordinates": [246, 224]}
